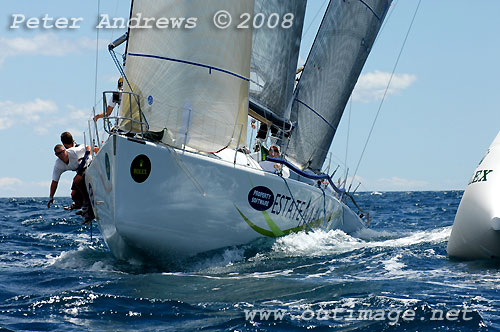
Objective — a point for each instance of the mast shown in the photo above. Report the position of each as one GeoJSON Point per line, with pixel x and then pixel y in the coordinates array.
{"type": "Point", "coordinates": [128, 30]}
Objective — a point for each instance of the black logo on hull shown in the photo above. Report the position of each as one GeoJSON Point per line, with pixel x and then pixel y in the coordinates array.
{"type": "Point", "coordinates": [140, 168]}
{"type": "Point", "coordinates": [261, 198]}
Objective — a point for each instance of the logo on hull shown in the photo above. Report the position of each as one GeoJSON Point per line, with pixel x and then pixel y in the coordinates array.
{"type": "Point", "coordinates": [309, 214]}
{"type": "Point", "coordinates": [480, 176]}
{"type": "Point", "coordinates": [140, 168]}
{"type": "Point", "coordinates": [261, 198]}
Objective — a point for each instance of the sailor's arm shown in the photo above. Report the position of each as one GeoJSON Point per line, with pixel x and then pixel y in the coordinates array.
{"type": "Point", "coordinates": [96, 149]}
{"type": "Point", "coordinates": [109, 110]}
{"type": "Point", "coordinates": [53, 188]}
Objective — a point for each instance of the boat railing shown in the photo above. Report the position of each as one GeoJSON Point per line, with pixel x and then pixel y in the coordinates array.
{"type": "Point", "coordinates": [131, 120]}
{"type": "Point", "coordinates": [342, 193]}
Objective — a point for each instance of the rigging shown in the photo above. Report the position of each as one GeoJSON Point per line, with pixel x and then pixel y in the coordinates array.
{"type": "Point", "coordinates": [386, 89]}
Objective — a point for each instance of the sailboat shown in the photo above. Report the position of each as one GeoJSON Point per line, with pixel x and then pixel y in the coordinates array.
{"type": "Point", "coordinates": [476, 230]}
{"type": "Point", "coordinates": [177, 175]}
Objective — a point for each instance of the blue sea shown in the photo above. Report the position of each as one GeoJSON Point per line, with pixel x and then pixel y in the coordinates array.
{"type": "Point", "coordinates": [395, 276]}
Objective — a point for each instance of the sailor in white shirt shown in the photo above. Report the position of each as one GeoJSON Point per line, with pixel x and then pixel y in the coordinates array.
{"type": "Point", "coordinates": [68, 160]}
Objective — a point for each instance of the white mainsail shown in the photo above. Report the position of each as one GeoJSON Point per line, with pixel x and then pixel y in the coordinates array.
{"type": "Point", "coordinates": [193, 81]}
{"type": "Point", "coordinates": [343, 42]}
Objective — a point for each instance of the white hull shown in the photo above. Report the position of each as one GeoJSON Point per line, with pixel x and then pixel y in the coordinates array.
{"type": "Point", "coordinates": [476, 230]}
{"type": "Point", "coordinates": [190, 203]}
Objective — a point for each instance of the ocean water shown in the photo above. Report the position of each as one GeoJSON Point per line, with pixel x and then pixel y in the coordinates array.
{"type": "Point", "coordinates": [395, 276]}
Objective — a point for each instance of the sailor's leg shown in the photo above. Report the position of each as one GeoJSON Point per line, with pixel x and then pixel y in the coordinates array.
{"type": "Point", "coordinates": [79, 187]}
{"type": "Point", "coordinates": [79, 182]}
{"type": "Point", "coordinates": [77, 198]}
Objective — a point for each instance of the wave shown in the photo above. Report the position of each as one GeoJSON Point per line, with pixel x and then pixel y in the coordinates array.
{"type": "Point", "coordinates": [86, 258]}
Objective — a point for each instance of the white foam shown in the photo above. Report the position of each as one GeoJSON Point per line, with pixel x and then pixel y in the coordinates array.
{"type": "Point", "coordinates": [32, 220]}
{"type": "Point", "coordinates": [81, 238]}
{"type": "Point", "coordinates": [81, 259]}
{"type": "Point", "coordinates": [320, 243]}
{"type": "Point", "coordinates": [406, 302]}
{"type": "Point", "coordinates": [437, 235]}
{"type": "Point", "coordinates": [369, 234]}
{"type": "Point", "coordinates": [394, 267]}
{"type": "Point", "coordinates": [317, 243]}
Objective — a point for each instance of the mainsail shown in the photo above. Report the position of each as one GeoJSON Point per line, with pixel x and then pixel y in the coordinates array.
{"type": "Point", "coordinates": [191, 81]}
{"type": "Point", "coordinates": [337, 56]}
{"type": "Point", "coordinates": [274, 57]}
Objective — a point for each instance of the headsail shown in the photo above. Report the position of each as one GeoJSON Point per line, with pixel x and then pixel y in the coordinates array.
{"type": "Point", "coordinates": [338, 54]}
{"type": "Point", "coordinates": [274, 57]}
{"type": "Point", "coordinates": [193, 81]}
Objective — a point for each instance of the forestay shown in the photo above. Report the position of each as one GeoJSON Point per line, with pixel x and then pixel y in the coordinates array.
{"type": "Point", "coordinates": [274, 56]}
{"type": "Point", "coordinates": [333, 66]}
{"type": "Point", "coordinates": [193, 81]}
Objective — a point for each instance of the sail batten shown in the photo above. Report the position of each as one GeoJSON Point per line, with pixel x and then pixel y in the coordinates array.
{"type": "Point", "coordinates": [189, 63]}
{"type": "Point", "coordinates": [316, 113]}
{"type": "Point", "coordinates": [338, 54]}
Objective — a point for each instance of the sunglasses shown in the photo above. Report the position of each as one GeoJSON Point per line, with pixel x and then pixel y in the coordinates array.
{"type": "Point", "coordinates": [59, 152]}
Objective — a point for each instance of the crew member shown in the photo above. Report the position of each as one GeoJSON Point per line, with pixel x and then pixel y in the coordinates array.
{"type": "Point", "coordinates": [270, 166]}
{"type": "Point", "coordinates": [115, 100]}
{"type": "Point", "coordinates": [74, 159]}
